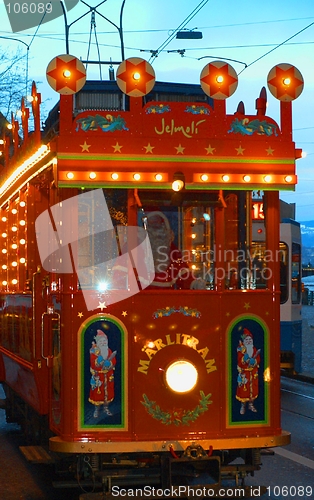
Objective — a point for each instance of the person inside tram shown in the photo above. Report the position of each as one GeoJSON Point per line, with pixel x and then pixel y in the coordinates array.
{"type": "Point", "coordinates": [171, 272]}
{"type": "Point", "coordinates": [198, 283]}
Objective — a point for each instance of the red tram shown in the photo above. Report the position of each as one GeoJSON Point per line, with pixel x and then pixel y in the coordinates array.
{"type": "Point", "coordinates": [136, 333]}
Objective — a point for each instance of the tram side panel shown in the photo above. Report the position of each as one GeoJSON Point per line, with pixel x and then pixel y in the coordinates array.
{"type": "Point", "coordinates": [289, 258]}
{"type": "Point", "coordinates": [26, 333]}
{"type": "Point", "coordinates": [23, 303]}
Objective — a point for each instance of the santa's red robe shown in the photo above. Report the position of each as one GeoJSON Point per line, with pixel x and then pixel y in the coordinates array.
{"type": "Point", "coordinates": [247, 389]}
{"type": "Point", "coordinates": [102, 377]}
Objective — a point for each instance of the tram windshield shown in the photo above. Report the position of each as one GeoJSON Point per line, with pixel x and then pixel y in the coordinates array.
{"type": "Point", "coordinates": [198, 240]}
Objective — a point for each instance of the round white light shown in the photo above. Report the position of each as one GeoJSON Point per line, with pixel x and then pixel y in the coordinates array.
{"type": "Point", "coordinates": [177, 185]}
{"type": "Point", "coordinates": [181, 376]}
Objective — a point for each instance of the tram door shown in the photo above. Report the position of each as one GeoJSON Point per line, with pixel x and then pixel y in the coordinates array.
{"type": "Point", "coordinates": [291, 296]}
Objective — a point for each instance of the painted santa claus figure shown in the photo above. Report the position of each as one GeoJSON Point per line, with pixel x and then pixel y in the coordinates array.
{"type": "Point", "coordinates": [248, 365]}
{"type": "Point", "coordinates": [102, 366]}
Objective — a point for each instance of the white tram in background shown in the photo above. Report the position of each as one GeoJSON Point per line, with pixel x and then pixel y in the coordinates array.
{"type": "Point", "coordinates": [290, 282]}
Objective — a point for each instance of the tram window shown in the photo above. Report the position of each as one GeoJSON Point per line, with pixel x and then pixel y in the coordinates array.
{"type": "Point", "coordinates": [97, 248]}
{"type": "Point", "coordinates": [259, 265]}
{"type": "Point", "coordinates": [181, 239]}
{"type": "Point", "coordinates": [296, 274]}
{"type": "Point", "coordinates": [284, 272]}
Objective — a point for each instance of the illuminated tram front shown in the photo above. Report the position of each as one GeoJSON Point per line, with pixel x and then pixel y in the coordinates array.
{"type": "Point", "coordinates": [145, 332]}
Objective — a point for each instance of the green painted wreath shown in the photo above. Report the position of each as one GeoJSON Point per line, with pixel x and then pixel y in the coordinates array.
{"type": "Point", "coordinates": [177, 417]}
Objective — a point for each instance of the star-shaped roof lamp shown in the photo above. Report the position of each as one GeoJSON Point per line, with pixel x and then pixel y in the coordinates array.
{"type": "Point", "coordinates": [66, 74]}
{"type": "Point", "coordinates": [219, 80]}
{"type": "Point", "coordinates": [135, 77]}
{"type": "Point", "coordinates": [285, 82]}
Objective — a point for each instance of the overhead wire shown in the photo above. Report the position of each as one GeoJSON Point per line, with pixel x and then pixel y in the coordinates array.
{"type": "Point", "coordinates": [253, 23]}
{"type": "Point", "coordinates": [277, 47]}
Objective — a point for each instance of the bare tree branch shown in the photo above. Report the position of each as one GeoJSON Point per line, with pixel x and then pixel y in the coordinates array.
{"type": "Point", "coordinates": [12, 81]}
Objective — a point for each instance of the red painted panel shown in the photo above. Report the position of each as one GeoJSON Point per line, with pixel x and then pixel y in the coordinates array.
{"type": "Point", "coordinates": [168, 327]}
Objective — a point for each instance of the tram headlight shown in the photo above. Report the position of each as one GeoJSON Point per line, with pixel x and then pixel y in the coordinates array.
{"type": "Point", "coordinates": [178, 182]}
{"type": "Point", "coordinates": [181, 376]}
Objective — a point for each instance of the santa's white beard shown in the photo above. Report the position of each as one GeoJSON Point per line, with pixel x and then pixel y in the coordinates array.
{"type": "Point", "coordinates": [249, 349]}
{"type": "Point", "coordinates": [104, 351]}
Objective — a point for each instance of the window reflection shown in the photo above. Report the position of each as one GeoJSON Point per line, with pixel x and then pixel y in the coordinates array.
{"type": "Point", "coordinates": [296, 274]}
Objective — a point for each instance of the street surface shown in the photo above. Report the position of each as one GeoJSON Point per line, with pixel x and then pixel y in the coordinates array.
{"type": "Point", "coordinates": [288, 473]}
{"type": "Point", "coordinates": [292, 468]}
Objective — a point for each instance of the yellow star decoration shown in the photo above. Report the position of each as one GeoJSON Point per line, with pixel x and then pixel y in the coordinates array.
{"type": "Point", "coordinates": [227, 314]}
{"type": "Point", "coordinates": [179, 149]}
{"type": "Point", "coordinates": [85, 146]}
{"type": "Point", "coordinates": [246, 305]}
{"type": "Point", "coordinates": [240, 150]}
{"type": "Point", "coordinates": [117, 148]}
{"type": "Point", "coordinates": [124, 313]}
{"type": "Point", "coordinates": [270, 151]}
{"type": "Point", "coordinates": [149, 148]}
{"type": "Point", "coordinates": [210, 150]}
{"type": "Point", "coordinates": [102, 305]}
{"type": "Point", "coordinates": [267, 313]}
{"type": "Point", "coordinates": [80, 315]}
